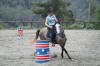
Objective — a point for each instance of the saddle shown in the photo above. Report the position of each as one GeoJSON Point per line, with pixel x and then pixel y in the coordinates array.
{"type": "Point", "coordinates": [49, 34]}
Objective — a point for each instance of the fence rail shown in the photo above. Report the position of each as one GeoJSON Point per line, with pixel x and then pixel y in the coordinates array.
{"type": "Point", "coordinates": [40, 24]}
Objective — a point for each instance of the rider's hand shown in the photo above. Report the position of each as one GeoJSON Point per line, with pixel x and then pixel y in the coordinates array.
{"type": "Point", "coordinates": [50, 26]}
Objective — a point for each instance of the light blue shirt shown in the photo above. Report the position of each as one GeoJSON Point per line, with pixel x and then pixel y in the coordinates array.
{"type": "Point", "coordinates": [51, 20]}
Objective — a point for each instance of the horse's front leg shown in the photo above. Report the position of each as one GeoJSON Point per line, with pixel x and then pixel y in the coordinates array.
{"type": "Point", "coordinates": [67, 53]}
{"type": "Point", "coordinates": [63, 49]}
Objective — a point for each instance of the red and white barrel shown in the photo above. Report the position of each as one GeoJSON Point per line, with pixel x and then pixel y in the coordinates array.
{"type": "Point", "coordinates": [42, 51]}
{"type": "Point", "coordinates": [20, 32]}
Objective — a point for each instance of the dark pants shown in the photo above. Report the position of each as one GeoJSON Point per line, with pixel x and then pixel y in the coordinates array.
{"type": "Point", "coordinates": [52, 32]}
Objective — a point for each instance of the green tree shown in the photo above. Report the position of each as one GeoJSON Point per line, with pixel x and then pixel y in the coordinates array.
{"type": "Point", "coordinates": [97, 14]}
{"type": "Point", "coordinates": [60, 9]}
{"type": "Point", "coordinates": [92, 8]}
{"type": "Point", "coordinates": [97, 18]}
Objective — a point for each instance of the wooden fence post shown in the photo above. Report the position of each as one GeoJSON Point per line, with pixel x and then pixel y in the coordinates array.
{"type": "Point", "coordinates": [31, 24]}
{"type": "Point", "coordinates": [84, 24]}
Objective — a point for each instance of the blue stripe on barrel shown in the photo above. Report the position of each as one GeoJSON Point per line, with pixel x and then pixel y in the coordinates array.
{"type": "Point", "coordinates": [42, 51]}
{"type": "Point", "coordinates": [42, 41]}
{"type": "Point", "coordinates": [19, 28]}
{"type": "Point", "coordinates": [42, 61]}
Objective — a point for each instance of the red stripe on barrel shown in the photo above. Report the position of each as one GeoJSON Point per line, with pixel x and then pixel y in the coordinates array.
{"type": "Point", "coordinates": [42, 56]}
{"type": "Point", "coordinates": [20, 32]}
{"type": "Point", "coordinates": [42, 46]}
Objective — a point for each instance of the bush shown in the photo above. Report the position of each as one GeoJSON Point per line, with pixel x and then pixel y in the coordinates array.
{"type": "Point", "coordinates": [1, 27]}
{"type": "Point", "coordinates": [97, 26]}
{"type": "Point", "coordinates": [89, 26]}
{"type": "Point", "coordinates": [42, 26]}
{"type": "Point", "coordinates": [73, 26]}
{"type": "Point", "coordinates": [24, 27]}
{"type": "Point", "coordinates": [93, 26]}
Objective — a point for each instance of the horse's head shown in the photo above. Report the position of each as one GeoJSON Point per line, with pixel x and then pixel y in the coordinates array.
{"type": "Point", "coordinates": [58, 28]}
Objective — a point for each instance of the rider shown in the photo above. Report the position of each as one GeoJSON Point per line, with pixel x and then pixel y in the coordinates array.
{"type": "Point", "coordinates": [50, 24]}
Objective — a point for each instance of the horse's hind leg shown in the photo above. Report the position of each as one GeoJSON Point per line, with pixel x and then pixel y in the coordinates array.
{"type": "Point", "coordinates": [62, 53]}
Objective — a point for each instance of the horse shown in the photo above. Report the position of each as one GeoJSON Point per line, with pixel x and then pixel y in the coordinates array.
{"type": "Point", "coordinates": [60, 37]}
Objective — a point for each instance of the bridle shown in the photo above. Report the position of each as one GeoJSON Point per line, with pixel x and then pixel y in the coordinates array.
{"type": "Point", "coordinates": [58, 28]}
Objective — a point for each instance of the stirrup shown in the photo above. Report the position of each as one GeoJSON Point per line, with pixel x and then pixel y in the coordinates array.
{"type": "Point", "coordinates": [53, 44]}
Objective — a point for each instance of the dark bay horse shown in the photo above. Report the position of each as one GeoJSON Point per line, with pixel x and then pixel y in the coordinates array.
{"type": "Point", "coordinates": [60, 38]}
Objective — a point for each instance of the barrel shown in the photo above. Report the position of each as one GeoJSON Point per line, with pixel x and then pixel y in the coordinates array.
{"type": "Point", "coordinates": [42, 51]}
{"type": "Point", "coordinates": [20, 32]}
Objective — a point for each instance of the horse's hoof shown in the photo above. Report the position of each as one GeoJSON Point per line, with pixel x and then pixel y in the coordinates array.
{"type": "Point", "coordinates": [71, 59]}
{"type": "Point", "coordinates": [62, 57]}
{"type": "Point", "coordinates": [53, 45]}
{"type": "Point", "coordinates": [53, 56]}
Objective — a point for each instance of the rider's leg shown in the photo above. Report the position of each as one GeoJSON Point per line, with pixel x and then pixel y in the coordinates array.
{"type": "Point", "coordinates": [53, 35]}
{"type": "Point", "coordinates": [49, 34]}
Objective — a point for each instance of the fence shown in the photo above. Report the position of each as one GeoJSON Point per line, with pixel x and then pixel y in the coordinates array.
{"type": "Point", "coordinates": [40, 24]}
{"type": "Point", "coordinates": [26, 24]}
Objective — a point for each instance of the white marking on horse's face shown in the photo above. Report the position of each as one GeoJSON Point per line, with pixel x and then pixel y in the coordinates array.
{"type": "Point", "coordinates": [58, 28]}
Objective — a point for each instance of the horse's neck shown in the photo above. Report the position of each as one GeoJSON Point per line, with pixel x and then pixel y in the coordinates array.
{"type": "Point", "coordinates": [61, 34]}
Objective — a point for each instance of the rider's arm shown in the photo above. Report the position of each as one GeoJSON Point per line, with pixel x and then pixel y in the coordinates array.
{"type": "Point", "coordinates": [46, 23]}
{"type": "Point", "coordinates": [55, 18]}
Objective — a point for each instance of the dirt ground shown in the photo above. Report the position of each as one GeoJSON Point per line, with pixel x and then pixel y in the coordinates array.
{"type": "Point", "coordinates": [82, 45]}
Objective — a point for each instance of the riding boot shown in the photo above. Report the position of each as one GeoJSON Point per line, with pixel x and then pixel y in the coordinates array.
{"type": "Point", "coordinates": [53, 39]}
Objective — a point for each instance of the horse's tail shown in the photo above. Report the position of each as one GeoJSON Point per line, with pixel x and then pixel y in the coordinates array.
{"type": "Point", "coordinates": [37, 34]}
